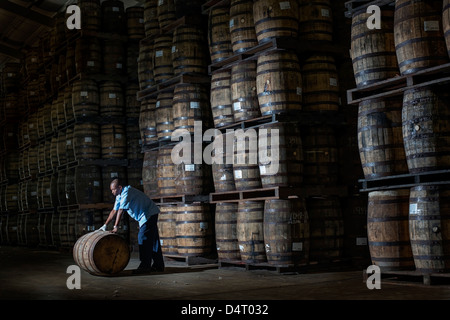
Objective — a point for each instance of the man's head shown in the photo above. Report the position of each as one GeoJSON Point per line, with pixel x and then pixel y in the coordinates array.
{"type": "Point", "coordinates": [116, 187]}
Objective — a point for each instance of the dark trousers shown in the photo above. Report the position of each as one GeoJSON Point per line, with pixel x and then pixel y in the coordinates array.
{"type": "Point", "coordinates": [149, 245]}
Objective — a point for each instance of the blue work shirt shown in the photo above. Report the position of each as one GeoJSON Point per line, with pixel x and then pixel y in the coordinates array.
{"type": "Point", "coordinates": [138, 205]}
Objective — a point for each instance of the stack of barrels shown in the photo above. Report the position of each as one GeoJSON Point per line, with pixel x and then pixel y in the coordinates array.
{"type": "Point", "coordinates": [74, 126]}
{"type": "Point", "coordinates": [273, 82]}
{"type": "Point", "coordinates": [407, 228]}
{"type": "Point", "coordinates": [172, 51]}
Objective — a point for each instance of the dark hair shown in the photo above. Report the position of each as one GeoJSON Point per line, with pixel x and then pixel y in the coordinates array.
{"type": "Point", "coordinates": [116, 181]}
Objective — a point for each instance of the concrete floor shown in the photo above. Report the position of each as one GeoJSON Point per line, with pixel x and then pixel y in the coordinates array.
{"type": "Point", "coordinates": [36, 274]}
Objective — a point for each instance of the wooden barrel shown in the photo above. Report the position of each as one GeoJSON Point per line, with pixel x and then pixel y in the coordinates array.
{"type": "Point", "coordinates": [281, 155]}
{"type": "Point", "coordinates": [245, 161]}
{"type": "Point", "coordinates": [320, 156]}
{"type": "Point", "coordinates": [226, 231]}
{"type": "Point", "coordinates": [145, 66]}
{"type": "Point", "coordinates": [91, 13]}
{"type": "Point", "coordinates": [11, 76]}
{"type": "Point", "coordinates": [114, 63]}
{"type": "Point", "coordinates": [149, 173]}
{"type": "Point", "coordinates": [275, 19]}
{"type": "Point", "coordinates": [320, 84]}
{"type": "Point", "coordinates": [31, 193]}
{"type": "Point", "coordinates": [419, 38]}
{"type": "Point", "coordinates": [44, 229]}
{"type": "Point", "coordinates": [326, 228]}
{"type": "Point", "coordinates": [315, 20]}
{"type": "Point", "coordinates": [112, 101]}
{"type": "Point", "coordinates": [88, 220]}
{"type": "Point", "coordinates": [429, 228]}
{"type": "Point", "coordinates": [387, 230]}
{"type": "Point", "coordinates": [48, 191]}
{"type": "Point", "coordinates": [162, 58]}
{"type": "Point", "coordinates": [113, 17]}
{"type": "Point", "coordinates": [278, 82]}
{"type": "Point", "coordinates": [222, 170]}
{"type": "Point", "coordinates": [373, 50]}
{"type": "Point", "coordinates": [86, 141]}
{"type": "Point", "coordinates": [426, 128]}
{"type": "Point", "coordinates": [250, 231]}
{"type": "Point", "coordinates": [88, 55]}
{"type": "Point", "coordinates": [85, 98]}
{"type": "Point", "coordinates": [286, 232]}
{"type": "Point", "coordinates": [192, 178]}
{"type": "Point", "coordinates": [190, 104]}
{"type": "Point", "coordinates": [219, 39]}
{"type": "Point", "coordinates": [132, 104]}
{"type": "Point", "coordinates": [151, 23]}
{"type": "Point", "coordinates": [380, 138]}
{"type": "Point", "coordinates": [84, 185]}
{"type": "Point", "coordinates": [166, 172]}
{"type": "Point", "coordinates": [12, 197]}
{"type": "Point", "coordinates": [113, 141]}
{"type": "Point", "coordinates": [147, 122]}
{"type": "Point", "coordinates": [189, 50]}
{"type": "Point", "coordinates": [167, 229]}
{"type": "Point", "coordinates": [11, 228]}
{"type": "Point", "coordinates": [61, 187]}
{"type": "Point", "coordinates": [194, 229]}
{"type": "Point", "coordinates": [243, 91]}
{"type": "Point", "coordinates": [165, 11]}
{"type": "Point", "coordinates": [446, 24]}
{"type": "Point", "coordinates": [164, 115]}
{"type": "Point", "coordinates": [69, 111]}
{"type": "Point", "coordinates": [242, 26]}
{"type": "Point", "coordinates": [101, 253]}
{"type": "Point", "coordinates": [221, 105]}
{"type": "Point", "coordinates": [135, 22]}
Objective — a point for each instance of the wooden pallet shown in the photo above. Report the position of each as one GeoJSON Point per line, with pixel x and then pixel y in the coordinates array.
{"type": "Point", "coordinates": [176, 199]}
{"type": "Point", "coordinates": [438, 177]}
{"type": "Point", "coordinates": [190, 260]}
{"type": "Point", "coordinates": [439, 75]}
{"type": "Point", "coordinates": [414, 277]}
{"type": "Point", "coordinates": [258, 266]}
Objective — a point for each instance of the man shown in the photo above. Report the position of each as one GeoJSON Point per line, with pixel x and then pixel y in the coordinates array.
{"type": "Point", "coordinates": [145, 211]}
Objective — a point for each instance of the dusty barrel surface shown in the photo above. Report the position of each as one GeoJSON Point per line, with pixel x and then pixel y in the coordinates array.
{"type": "Point", "coordinates": [426, 129]}
{"type": "Point", "coordinates": [166, 172]}
{"type": "Point", "coordinates": [245, 162]}
{"type": "Point", "coordinates": [162, 58]}
{"type": "Point", "coordinates": [226, 231]}
{"type": "Point", "coordinates": [101, 253]}
{"type": "Point", "coordinates": [418, 34]}
{"type": "Point", "coordinates": [387, 230]}
{"type": "Point", "coordinates": [373, 50]}
{"type": "Point", "coordinates": [220, 98]}
{"type": "Point", "coordinates": [219, 33]}
{"type": "Point", "coordinates": [167, 227]}
{"type": "Point", "coordinates": [380, 138]}
{"type": "Point", "coordinates": [242, 25]}
{"type": "Point", "coordinates": [278, 82]}
{"type": "Point", "coordinates": [146, 67]}
{"type": "Point", "coordinates": [147, 122]}
{"type": "Point", "coordinates": [243, 91]}
{"type": "Point", "coordinates": [250, 231]}
{"type": "Point", "coordinates": [429, 228]}
{"type": "Point", "coordinates": [286, 232]}
{"type": "Point", "coordinates": [315, 20]}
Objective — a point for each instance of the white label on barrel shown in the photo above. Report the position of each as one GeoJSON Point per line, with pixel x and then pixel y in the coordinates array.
{"type": "Point", "coordinates": [299, 91]}
{"type": "Point", "coordinates": [161, 241]}
{"type": "Point", "coordinates": [160, 2]}
{"type": "Point", "coordinates": [32, 93]}
{"type": "Point", "coordinates": [223, 177]}
{"type": "Point", "coordinates": [267, 248]}
{"type": "Point", "coordinates": [237, 106]}
{"type": "Point", "coordinates": [26, 136]}
{"type": "Point", "coordinates": [361, 241]}
{"type": "Point", "coordinates": [141, 20]}
{"type": "Point", "coordinates": [189, 167]}
{"type": "Point", "coordinates": [118, 66]}
{"type": "Point", "coordinates": [31, 125]}
{"type": "Point", "coordinates": [325, 13]}
{"type": "Point", "coordinates": [96, 183]}
{"type": "Point", "coordinates": [87, 139]}
{"type": "Point", "coordinates": [115, 9]}
{"type": "Point", "coordinates": [83, 94]}
{"type": "Point", "coordinates": [47, 191]}
{"type": "Point", "coordinates": [90, 63]}
{"type": "Point", "coordinates": [14, 197]}
{"type": "Point", "coordinates": [34, 193]}
{"type": "Point", "coordinates": [114, 174]}
{"type": "Point", "coordinates": [203, 225]}
{"type": "Point", "coordinates": [413, 208]}
{"type": "Point", "coordinates": [118, 136]}
{"type": "Point", "coordinates": [431, 26]}
{"type": "Point", "coordinates": [241, 248]}
{"type": "Point", "coordinates": [159, 53]}
{"type": "Point", "coordinates": [333, 82]}
{"type": "Point", "coordinates": [194, 105]}
{"type": "Point", "coordinates": [285, 5]}
{"type": "Point", "coordinates": [10, 75]}
{"type": "Point", "coordinates": [112, 95]}
{"type": "Point", "coordinates": [231, 23]}
{"type": "Point", "coordinates": [238, 174]}
{"type": "Point", "coordinates": [33, 59]}
{"type": "Point", "coordinates": [297, 246]}
{"type": "Point", "coordinates": [68, 142]}
{"type": "Point", "coordinates": [157, 104]}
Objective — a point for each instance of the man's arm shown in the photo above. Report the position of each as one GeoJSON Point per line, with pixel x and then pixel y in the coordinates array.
{"type": "Point", "coordinates": [108, 220]}
{"type": "Point", "coordinates": [118, 216]}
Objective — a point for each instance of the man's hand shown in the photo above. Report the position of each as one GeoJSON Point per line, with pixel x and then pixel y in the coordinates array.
{"type": "Point", "coordinates": [103, 228]}
{"type": "Point", "coordinates": [114, 230]}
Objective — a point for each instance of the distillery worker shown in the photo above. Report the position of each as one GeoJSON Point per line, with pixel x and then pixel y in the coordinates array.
{"type": "Point", "coordinates": [145, 211]}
